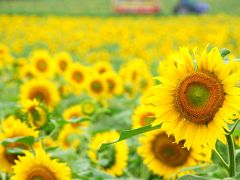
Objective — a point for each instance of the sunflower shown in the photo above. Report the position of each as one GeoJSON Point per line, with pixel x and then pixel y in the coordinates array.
{"type": "Point", "coordinates": [111, 160]}
{"type": "Point", "coordinates": [26, 72]}
{"type": "Point", "coordinates": [74, 112]}
{"type": "Point", "coordinates": [136, 76]}
{"type": "Point", "coordinates": [145, 82]}
{"type": "Point", "coordinates": [40, 166]}
{"type": "Point", "coordinates": [63, 61]}
{"type": "Point", "coordinates": [96, 87]}
{"type": "Point", "coordinates": [76, 76]}
{"type": "Point", "coordinates": [88, 107]}
{"type": "Point", "coordinates": [198, 94]}
{"type": "Point", "coordinates": [36, 114]}
{"type": "Point", "coordinates": [164, 157]}
{"type": "Point", "coordinates": [114, 82]}
{"type": "Point", "coordinates": [5, 56]}
{"type": "Point", "coordinates": [48, 141]}
{"type": "Point", "coordinates": [102, 67]}
{"type": "Point", "coordinates": [43, 90]}
{"type": "Point", "coordinates": [42, 64]}
{"type": "Point", "coordinates": [143, 115]}
{"type": "Point", "coordinates": [69, 137]}
{"type": "Point", "coordinates": [12, 128]}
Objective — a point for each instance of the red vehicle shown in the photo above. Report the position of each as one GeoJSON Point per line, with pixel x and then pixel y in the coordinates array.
{"type": "Point", "coordinates": [136, 6]}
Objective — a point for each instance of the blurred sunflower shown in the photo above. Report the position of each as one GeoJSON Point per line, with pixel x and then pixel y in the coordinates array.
{"type": "Point", "coordinates": [26, 72]}
{"type": "Point", "coordinates": [114, 82]}
{"type": "Point", "coordinates": [102, 67]}
{"type": "Point", "coordinates": [96, 87]}
{"type": "Point", "coordinates": [63, 60]}
{"type": "Point", "coordinates": [43, 90]}
{"type": "Point", "coordinates": [143, 115]}
{"type": "Point", "coordinates": [164, 157]}
{"type": "Point", "coordinates": [145, 82]}
{"type": "Point", "coordinates": [48, 141]}
{"type": "Point", "coordinates": [136, 77]}
{"type": "Point", "coordinates": [198, 94]}
{"type": "Point", "coordinates": [36, 114]}
{"type": "Point", "coordinates": [76, 76]}
{"type": "Point", "coordinates": [111, 160]}
{"type": "Point", "coordinates": [88, 107]}
{"type": "Point", "coordinates": [12, 128]}
{"type": "Point", "coordinates": [69, 137]}
{"type": "Point", "coordinates": [40, 166]}
{"type": "Point", "coordinates": [74, 112]}
{"type": "Point", "coordinates": [5, 56]}
{"type": "Point", "coordinates": [42, 64]}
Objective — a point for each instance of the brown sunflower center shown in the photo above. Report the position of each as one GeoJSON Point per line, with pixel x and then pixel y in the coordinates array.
{"type": "Point", "coordinates": [77, 76]}
{"type": "Point", "coordinates": [29, 75]}
{"type": "Point", "coordinates": [96, 86]}
{"type": "Point", "coordinates": [11, 157]}
{"type": "Point", "coordinates": [74, 115]}
{"type": "Point", "coordinates": [143, 83]}
{"type": "Point", "coordinates": [102, 70]}
{"type": "Point", "coordinates": [111, 85]}
{"type": "Point", "coordinates": [40, 93]}
{"type": "Point", "coordinates": [168, 152]}
{"type": "Point", "coordinates": [41, 65]}
{"type": "Point", "coordinates": [147, 118]}
{"type": "Point", "coordinates": [41, 173]}
{"type": "Point", "coordinates": [63, 65]}
{"type": "Point", "coordinates": [199, 96]}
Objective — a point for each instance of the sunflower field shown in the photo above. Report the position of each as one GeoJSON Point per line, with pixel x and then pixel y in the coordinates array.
{"type": "Point", "coordinates": [135, 98]}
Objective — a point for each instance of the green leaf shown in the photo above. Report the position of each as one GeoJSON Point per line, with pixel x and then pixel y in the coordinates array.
{"type": "Point", "coordinates": [15, 151]}
{"type": "Point", "coordinates": [130, 133]}
{"type": "Point", "coordinates": [77, 120]}
{"type": "Point", "coordinates": [192, 177]}
{"type": "Point", "coordinates": [224, 52]}
{"type": "Point", "coordinates": [28, 140]}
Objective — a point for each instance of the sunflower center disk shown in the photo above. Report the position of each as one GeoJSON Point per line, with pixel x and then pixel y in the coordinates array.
{"type": "Point", "coordinates": [168, 152]}
{"type": "Point", "coordinates": [199, 97]}
{"type": "Point", "coordinates": [96, 86]}
{"type": "Point", "coordinates": [41, 173]}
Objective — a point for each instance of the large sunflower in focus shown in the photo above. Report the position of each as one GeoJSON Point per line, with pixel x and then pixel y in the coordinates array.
{"type": "Point", "coordinates": [43, 90]}
{"type": "Point", "coordinates": [40, 166]}
{"type": "Point", "coordinates": [111, 160]}
{"type": "Point", "coordinates": [196, 96]}
{"type": "Point", "coordinates": [166, 158]}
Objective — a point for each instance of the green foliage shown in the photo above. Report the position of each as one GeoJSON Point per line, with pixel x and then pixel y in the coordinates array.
{"type": "Point", "coordinates": [28, 140]}
{"type": "Point", "coordinates": [192, 177]}
{"type": "Point", "coordinates": [130, 133]}
{"type": "Point", "coordinates": [224, 52]}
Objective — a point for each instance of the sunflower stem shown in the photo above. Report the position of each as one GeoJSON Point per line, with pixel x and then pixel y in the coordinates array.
{"type": "Point", "coordinates": [222, 160]}
{"type": "Point", "coordinates": [231, 156]}
{"type": "Point", "coordinates": [234, 127]}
